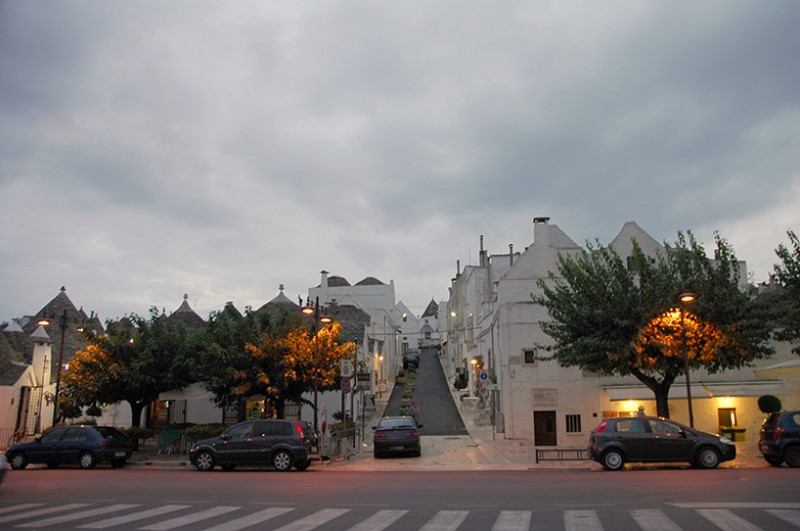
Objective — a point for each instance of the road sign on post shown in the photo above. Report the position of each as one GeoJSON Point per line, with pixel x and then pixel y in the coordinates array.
{"type": "Point", "coordinates": [346, 384]}
{"type": "Point", "coordinates": [346, 368]}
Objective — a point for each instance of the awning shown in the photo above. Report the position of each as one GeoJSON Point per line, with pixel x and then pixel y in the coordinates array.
{"type": "Point", "coordinates": [641, 392]}
{"type": "Point", "coordinates": [193, 392]}
{"type": "Point", "coordinates": [780, 370]}
{"type": "Point", "coordinates": [754, 388]}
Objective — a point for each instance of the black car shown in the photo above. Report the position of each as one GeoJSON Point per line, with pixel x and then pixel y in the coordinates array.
{"type": "Point", "coordinates": [3, 467]}
{"type": "Point", "coordinates": [411, 358]}
{"type": "Point", "coordinates": [779, 439]}
{"type": "Point", "coordinates": [396, 435]}
{"type": "Point", "coordinates": [652, 439]}
{"type": "Point", "coordinates": [83, 445]}
{"type": "Point", "coordinates": [276, 442]}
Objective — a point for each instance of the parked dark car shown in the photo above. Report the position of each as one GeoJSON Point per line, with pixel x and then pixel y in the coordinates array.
{"type": "Point", "coordinates": [779, 439]}
{"type": "Point", "coordinates": [83, 445]}
{"type": "Point", "coordinates": [411, 358]}
{"type": "Point", "coordinates": [283, 444]}
{"type": "Point", "coordinates": [3, 467]}
{"type": "Point", "coordinates": [396, 435]}
{"type": "Point", "coordinates": [651, 439]}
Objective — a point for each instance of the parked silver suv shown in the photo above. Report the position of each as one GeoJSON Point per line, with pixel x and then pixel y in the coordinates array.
{"type": "Point", "coordinates": [279, 443]}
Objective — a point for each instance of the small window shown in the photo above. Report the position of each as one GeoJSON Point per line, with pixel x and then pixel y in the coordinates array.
{"type": "Point", "coordinates": [529, 355]}
{"type": "Point", "coordinates": [574, 424]}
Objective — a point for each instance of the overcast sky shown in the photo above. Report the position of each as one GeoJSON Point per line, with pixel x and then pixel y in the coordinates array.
{"type": "Point", "coordinates": [150, 149]}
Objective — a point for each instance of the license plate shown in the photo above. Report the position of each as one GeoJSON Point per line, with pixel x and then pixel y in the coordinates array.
{"type": "Point", "coordinates": [396, 448]}
{"type": "Point", "coordinates": [119, 454]}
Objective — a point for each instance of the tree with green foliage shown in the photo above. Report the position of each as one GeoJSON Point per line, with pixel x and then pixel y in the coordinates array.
{"type": "Point", "coordinates": [246, 355]}
{"type": "Point", "coordinates": [787, 275]}
{"type": "Point", "coordinates": [612, 319]}
{"type": "Point", "coordinates": [134, 362]}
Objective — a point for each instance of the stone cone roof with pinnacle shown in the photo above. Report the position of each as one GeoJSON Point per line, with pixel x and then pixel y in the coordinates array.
{"type": "Point", "coordinates": [186, 315]}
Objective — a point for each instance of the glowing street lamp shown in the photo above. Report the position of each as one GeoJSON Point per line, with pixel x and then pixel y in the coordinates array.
{"type": "Point", "coordinates": [686, 298]}
{"type": "Point", "coordinates": [314, 309]}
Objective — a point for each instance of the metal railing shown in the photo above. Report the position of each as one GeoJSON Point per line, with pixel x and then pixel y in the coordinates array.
{"type": "Point", "coordinates": [562, 454]}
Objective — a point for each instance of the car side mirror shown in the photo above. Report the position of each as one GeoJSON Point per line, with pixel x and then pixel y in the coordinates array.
{"type": "Point", "coordinates": [374, 428]}
{"type": "Point", "coordinates": [225, 436]}
{"type": "Point", "coordinates": [37, 440]}
{"type": "Point", "coordinates": [682, 433]}
{"type": "Point", "coordinates": [419, 426]}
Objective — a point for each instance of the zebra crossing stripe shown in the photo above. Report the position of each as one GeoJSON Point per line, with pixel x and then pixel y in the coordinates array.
{"type": "Point", "coordinates": [445, 521]}
{"type": "Point", "coordinates": [89, 513]}
{"type": "Point", "coordinates": [380, 520]}
{"type": "Point", "coordinates": [190, 518]}
{"type": "Point", "coordinates": [141, 515]}
{"type": "Point", "coordinates": [313, 521]}
{"type": "Point", "coordinates": [653, 520]}
{"type": "Point", "coordinates": [250, 519]}
{"type": "Point", "coordinates": [582, 521]}
{"type": "Point", "coordinates": [40, 512]}
{"type": "Point", "coordinates": [513, 521]}
{"type": "Point", "coordinates": [791, 517]}
{"type": "Point", "coordinates": [19, 507]}
{"type": "Point", "coordinates": [727, 520]}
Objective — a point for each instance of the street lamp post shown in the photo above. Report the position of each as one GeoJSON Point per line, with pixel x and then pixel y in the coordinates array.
{"type": "Point", "coordinates": [62, 323]}
{"type": "Point", "coordinates": [686, 298]}
{"type": "Point", "coordinates": [314, 309]}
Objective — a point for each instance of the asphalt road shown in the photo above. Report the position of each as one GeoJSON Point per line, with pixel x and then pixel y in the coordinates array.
{"type": "Point", "coordinates": [438, 414]}
{"type": "Point", "coordinates": [325, 498]}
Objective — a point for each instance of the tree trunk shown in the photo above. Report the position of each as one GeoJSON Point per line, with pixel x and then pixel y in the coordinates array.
{"type": "Point", "coordinates": [662, 402]}
{"type": "Point", "coordinates": [136, 413]}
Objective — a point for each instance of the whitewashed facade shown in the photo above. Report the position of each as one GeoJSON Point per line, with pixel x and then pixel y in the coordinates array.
{"type": "Point", "coordinates": [493, 319]}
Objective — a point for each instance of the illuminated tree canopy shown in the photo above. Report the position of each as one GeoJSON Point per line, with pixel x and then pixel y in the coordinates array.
{"type": "Point", "coordinates": [272, 356]}
{"type": "Point", "coordinates": [612, 316]}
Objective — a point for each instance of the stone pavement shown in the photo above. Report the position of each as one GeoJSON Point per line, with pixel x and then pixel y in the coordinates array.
{"type": "Point", "coordinates": [482, 449]}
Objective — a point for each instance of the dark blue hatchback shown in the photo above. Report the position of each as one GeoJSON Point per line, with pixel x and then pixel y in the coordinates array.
{"type": "Point", "coordinates": [82, 445]}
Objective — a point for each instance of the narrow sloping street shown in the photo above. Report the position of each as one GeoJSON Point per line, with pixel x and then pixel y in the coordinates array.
{"type": "Point", "coordinates": [438, 413]}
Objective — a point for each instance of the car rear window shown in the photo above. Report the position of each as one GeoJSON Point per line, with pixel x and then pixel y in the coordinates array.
{"type": "Point", "coordinates": [108, 432]}
{"type": "Point", "coordinates": [395, 423]}
{"type": "Point", "coordinates": [792, 420]}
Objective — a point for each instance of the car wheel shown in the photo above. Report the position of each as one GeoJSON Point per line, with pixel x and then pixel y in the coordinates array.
{"type": "Point", "coordinates": [773, 460]}
{"type": "Point", "coordinates": [282, 461]}
{"type": "Point", "coordinates": [708, 458]}
{"type": "Point", "coordinates": [118, 463]}
{"type": "Point", "coordinates": [228, 468]}
{"type": "Point", "coordinates": [613, 460]}
{"type": "Point", "coordinates": [792, 456]}
{"type": "Point", "coordinates": [204, 461]}
{"type": "Point", "coordinates": [87, 460]}
{"type": "Point", "coordinates": [18, 461]}
{"type": "Point", "coordinates": [303, 466]}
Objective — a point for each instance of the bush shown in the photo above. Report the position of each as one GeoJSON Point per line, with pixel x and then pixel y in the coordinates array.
{"type": "Point", "coordinates": [204, 431]}
{"type": "Point", "coordinates": [136, 433]}
{"type": "Point", "coordinates": [769, 404]}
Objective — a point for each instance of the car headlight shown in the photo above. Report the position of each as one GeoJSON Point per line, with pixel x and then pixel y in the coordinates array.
{"type": "Point", "coordinates": [725, 440]}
